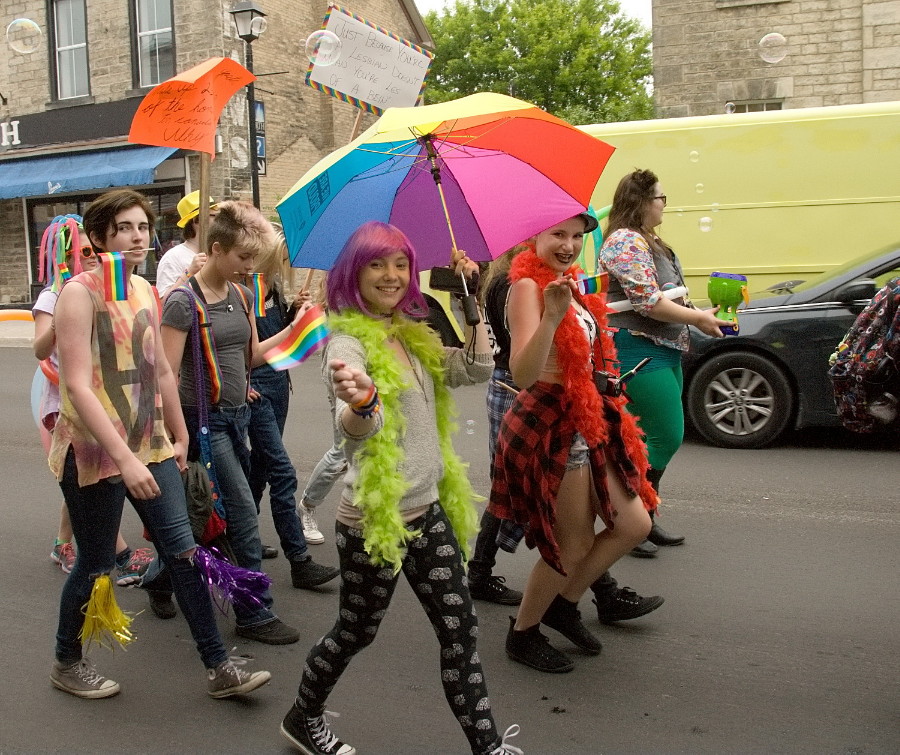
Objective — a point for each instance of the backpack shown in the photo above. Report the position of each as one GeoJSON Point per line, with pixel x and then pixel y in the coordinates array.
{"type": "Point", "coordinates": [864, 370]}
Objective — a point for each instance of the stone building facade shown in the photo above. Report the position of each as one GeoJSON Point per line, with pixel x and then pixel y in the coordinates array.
{"type": "Point", "coordinates": [51, 119]}
{"type": "Point", "coordinates": [706, 54]}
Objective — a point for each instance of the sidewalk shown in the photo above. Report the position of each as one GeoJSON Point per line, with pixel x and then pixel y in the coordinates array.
{"type": "Point", "coordinates": [16, 333]}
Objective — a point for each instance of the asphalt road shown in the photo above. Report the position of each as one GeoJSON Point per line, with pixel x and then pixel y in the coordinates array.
{"type": "Point", "coordinates": [779, 633]}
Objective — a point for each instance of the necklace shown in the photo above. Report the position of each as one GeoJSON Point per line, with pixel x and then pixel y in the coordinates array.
{"type": "Point", "coordinates": [221, 297]}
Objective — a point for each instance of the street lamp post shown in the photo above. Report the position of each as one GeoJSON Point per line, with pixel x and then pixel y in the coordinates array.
{"type": "Point", "coordinates": [251, 23]}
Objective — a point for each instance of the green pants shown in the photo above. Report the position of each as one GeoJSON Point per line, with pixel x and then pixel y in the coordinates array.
{"type": "Point", "coordinates": [655, 394]}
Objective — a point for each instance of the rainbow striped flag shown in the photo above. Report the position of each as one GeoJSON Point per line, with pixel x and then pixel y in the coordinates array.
{"type": "Point", "coordinates": [115, 278]}
{"type": "Point", "coordinates": [259, 291]}
{"type": "Point", "coordinates": [305, 337]}
{"type": "Point", "coordinates": [593, 284]}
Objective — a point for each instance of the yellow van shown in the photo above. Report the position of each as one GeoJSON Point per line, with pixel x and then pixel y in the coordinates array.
{"type": "Point", "coordinates": [773, 195]}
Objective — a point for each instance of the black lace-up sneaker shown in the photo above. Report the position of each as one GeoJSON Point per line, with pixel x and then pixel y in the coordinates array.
{"type": "Point", "coordinates": [623, 604]}
{"type": "Point", "coordinates": [311, 735]}
{"type": "Point", "coordinates": [565, 618]}
{"type": "Point", "coordinates": [532, 648]}
{"type": "Point", "coordinates": [494, 590]}
{"type": "Point", "coordinates": [307, 574]}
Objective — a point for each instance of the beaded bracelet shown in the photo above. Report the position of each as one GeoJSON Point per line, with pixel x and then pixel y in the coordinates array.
{"type": "Point", "coordinates": [368, 405]}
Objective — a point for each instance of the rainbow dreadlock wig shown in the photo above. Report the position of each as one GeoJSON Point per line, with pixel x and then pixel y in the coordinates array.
{"type": "Point", "coordinates": [60, 238]}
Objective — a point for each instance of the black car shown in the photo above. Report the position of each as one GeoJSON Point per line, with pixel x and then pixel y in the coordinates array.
{"type": "Point", "coordinates": [744, 391]}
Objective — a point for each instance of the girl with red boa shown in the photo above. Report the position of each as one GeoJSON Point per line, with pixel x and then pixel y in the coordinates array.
{"type": "Point", "coordinates": [565, 453]}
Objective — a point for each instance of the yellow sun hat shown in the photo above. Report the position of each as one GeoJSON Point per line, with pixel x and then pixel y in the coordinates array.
{"type": "Point", "coordinates": [189, 208]}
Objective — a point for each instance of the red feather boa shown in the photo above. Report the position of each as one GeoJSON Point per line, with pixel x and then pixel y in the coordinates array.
{"type": "Point", "coordinates": [583, 402]}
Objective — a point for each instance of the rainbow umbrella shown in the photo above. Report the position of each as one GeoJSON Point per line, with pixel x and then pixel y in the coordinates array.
{"type": "Point", "coordinates": [480, 173]}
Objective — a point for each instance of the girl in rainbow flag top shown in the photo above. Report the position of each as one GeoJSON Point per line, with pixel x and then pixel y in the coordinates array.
{"type": "Point", "coordinates": [66, 251]}
{"type": "Point", "coordinates": [121, 434]}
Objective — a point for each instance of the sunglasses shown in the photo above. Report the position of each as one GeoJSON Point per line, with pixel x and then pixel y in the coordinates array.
{"type": "Point", "coordinates": [87, 251]}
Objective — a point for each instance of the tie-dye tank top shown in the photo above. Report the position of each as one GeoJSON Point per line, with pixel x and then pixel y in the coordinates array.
{"type": "Point", "coordinates": [124, 379]}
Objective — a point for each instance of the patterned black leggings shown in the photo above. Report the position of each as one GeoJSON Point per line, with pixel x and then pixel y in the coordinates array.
{"type": "Point", "coordinates": [433, 567]}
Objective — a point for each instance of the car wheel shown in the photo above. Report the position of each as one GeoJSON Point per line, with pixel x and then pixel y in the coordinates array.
{"type": "Point", "coordinates": [740, 400]}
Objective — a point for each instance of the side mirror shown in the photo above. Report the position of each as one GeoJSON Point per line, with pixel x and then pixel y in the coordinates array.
{"type": "Point", "coordinates": [854, 291]}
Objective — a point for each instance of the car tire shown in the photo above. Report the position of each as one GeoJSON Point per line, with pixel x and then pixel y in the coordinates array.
{"type": "Point", "coordinates": [740, 400]}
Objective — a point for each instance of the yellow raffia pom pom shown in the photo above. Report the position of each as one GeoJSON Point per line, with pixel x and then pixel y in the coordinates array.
{"type": "Point", "coordinates": [104, 621]}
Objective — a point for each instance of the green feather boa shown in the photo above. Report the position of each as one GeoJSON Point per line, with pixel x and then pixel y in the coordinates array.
{"type": "Point", "coordinates": [379, 486]}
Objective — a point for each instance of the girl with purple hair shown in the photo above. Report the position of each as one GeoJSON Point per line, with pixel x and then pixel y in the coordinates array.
{"type": "Point", "coordinates": [407, 502]}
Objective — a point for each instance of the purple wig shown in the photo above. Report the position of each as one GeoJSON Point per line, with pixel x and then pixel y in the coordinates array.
{"type": "Point", "coordinates": [368, 242]}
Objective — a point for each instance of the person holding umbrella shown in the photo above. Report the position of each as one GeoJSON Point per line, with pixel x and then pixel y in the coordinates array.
{"type": "Point", "coordinates": [567, 450]}
{"type": "Point", "coordinates": [407, 504]}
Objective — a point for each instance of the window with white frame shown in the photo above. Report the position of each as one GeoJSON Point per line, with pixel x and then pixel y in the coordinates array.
{"type": "Point", "coordinates": [155, 49]}
{"type": "Point", "coordinates": [70, 38]}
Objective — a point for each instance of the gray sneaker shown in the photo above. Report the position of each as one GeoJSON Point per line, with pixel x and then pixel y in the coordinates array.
{"type": "Point", "coordinates": [82, 680]}
{"type": "Point", "coordinates": [226, 680]}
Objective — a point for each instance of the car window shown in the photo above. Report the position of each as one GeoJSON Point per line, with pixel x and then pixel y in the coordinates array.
{"type": "Point", "coordinates": [882, 279]}
{"type": "Point", "coordinates": [835, 272]}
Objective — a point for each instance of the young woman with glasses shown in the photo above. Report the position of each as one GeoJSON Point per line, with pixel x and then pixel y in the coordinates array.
{"type": "Point", "coordinates": [641, 268]}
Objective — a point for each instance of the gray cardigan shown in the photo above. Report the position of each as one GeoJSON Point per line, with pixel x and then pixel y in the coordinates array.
{"type": "Point", "coordinates": [423, 466]}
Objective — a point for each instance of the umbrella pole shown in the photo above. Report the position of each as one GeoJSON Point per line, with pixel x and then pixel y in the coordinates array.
{"type": "Point", "coordinates": [469, 302]}
{"type": "Point", "coordinates": [436, 175]}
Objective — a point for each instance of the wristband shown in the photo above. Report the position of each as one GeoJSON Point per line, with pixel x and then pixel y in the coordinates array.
{"type": "Point", "coordinates": [367, 399]}
{"type": "Point", "coordinates": [368, 405]}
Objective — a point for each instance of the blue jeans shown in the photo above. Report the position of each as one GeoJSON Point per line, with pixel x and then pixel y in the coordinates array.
{"type": "Point", "coordinates": [228, 437]}
{"type": "Point", "coordinates": [327, 472]}
{"type": "Point", "coordinates": [96, 511]}
{"type": "Point", "coordinates": [270, 463]}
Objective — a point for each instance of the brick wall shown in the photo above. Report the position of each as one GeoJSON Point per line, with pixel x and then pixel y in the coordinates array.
{"type": "Point", "coordinates": [706, 53]}
{"type": "Point", "coordinates": [302, 125]}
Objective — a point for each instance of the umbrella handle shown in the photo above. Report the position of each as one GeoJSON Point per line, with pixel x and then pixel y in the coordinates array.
{"type": "Point", "coordinates": [470, 310]}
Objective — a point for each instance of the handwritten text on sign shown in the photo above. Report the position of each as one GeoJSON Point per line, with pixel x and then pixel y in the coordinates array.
{"type": "Point", "coordinates": [184, 110]}
{"type": "Point", "coordinates": [376, 68]}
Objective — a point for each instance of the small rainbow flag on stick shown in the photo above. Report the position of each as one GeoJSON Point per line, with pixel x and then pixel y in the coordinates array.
{"type": "Point", "coordinates": [593, 284]}
{"type": "Point", "coordinates": [305, 337]}
{"type": "Point", "coordinates": [115, 279]}
{"type": "Point", "coordinates": [259, 291]}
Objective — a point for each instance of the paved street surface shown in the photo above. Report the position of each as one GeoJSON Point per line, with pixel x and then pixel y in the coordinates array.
{"type": "Point", "coordinates": [779, 633]}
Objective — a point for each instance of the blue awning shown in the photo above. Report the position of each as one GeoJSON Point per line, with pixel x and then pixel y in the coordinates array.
{"type": "Point", "coordinates": [80, 171]}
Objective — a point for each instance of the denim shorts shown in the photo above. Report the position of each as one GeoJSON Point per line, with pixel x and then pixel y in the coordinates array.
{"type": "Point", "coordinates": [578, 453]}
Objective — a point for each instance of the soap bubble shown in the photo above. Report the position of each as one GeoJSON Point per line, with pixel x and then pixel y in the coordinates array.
{"type": "Point", "coordinates": [699, 188]}
{"type": "Point", "coordinates": [24, 36]}
{"type": "Point", "coordinates": [680, 212]}
{"type": "Point", "coordinates": [258, 25]}
{"type": "Point", "coordinates": [773, 47]}
{"type": "Point", "coordinates": [323, 47]}
{"type": "Point", "coordinates": [705, 224]}
{"type": "Point", "coordinates": [694, 156]}
{"type": "Point", "coordinates": [729, 108]}
{"type": "Point", "coordinates": [715, 207]}
{"type": "Point", "coordinates": [470, 427]}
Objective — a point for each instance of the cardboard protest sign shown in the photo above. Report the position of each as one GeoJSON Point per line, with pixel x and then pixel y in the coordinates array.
{"type": "Point", "coordinates": [376, 69]}
{"type": "Point", "coordinates": [184, 110]}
